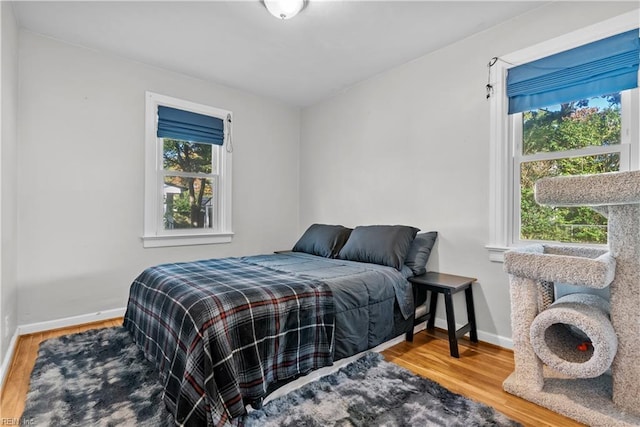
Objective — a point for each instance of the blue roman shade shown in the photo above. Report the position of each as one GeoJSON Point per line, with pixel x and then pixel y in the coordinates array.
{"type": "Point", "coordinates": [189, 126]}
{"type": "Point", "coordinates": [602, 67]}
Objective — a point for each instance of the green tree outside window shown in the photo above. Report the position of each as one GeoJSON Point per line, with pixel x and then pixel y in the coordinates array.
{"type": "Point", "coordinates": [571, 126]}
{"type": "Point", "coordinates": [190, 204]}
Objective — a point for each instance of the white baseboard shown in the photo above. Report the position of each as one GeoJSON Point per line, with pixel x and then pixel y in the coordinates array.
{"type": "Point", "coordinates": [498, 340]}
{"type": "Point", "coordinates": [119, 312]}
{"type": "Point", "coordinates": [8, 358]}
{"type": "Point", "coordinates": [66, 322]}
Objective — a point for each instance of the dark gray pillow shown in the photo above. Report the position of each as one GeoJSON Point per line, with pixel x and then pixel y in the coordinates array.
{"type": "Point", "coordinates": [323, 240]}
{"type": "Point", "coordinates": [419, 252]}
{"type": "Point", "coordinates": [379, 244]}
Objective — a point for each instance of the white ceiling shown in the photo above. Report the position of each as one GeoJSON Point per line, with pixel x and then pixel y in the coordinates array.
{"type": "Point", "coordinates": [328, 47]}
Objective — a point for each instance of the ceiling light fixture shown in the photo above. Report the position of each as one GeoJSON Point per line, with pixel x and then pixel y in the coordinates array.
{"type": "Point", "coordinates": [284, 9]}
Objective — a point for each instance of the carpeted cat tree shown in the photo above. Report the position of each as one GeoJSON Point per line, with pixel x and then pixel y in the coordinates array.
{"type": "Point", "coordinates": [580, 355]}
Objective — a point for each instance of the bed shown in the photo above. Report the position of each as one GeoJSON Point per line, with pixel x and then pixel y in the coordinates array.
{"type": "Point", "coordinates": [224, 333]}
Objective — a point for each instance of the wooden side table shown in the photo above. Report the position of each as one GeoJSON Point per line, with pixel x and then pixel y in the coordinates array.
{"type": "Point", "coordinates": [446, 284]}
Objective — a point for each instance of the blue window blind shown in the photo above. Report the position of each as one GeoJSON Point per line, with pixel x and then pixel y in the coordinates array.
{"type": "Point", "coordinates": [602, 67]}
{"type": "Point", "coordinates": [188, 126]}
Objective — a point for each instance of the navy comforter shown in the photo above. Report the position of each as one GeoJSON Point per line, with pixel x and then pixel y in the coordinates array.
{"type": "Point", "coordinates": [373, 303]}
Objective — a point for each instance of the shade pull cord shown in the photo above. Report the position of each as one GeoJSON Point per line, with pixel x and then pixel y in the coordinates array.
{"type": "Point", "coordinates": [489, 86]}
{"type": "Point", "coordinates": [490, 64]}
{"type": "Point", "coordinates": [229, 144]}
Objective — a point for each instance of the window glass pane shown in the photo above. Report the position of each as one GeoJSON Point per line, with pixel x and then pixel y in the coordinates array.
{"type": "Point", "coordinates": [575, 225]}
{"type": "Point", "coordinates": [578, 124]}
{"type": "Point", "coordinates": [186, 156]}
{"type": "Point", "coordinates": [188, 203]}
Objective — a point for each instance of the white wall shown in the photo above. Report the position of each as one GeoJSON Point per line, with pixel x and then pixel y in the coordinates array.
{"type": "Point", "coordinates": [81, 176]}
{"type": "Point", "coordinates": [411, 146]}
{"type": "Point", "coordinates": [8, 202]}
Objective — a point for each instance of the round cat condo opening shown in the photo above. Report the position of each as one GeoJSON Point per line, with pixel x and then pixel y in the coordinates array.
{"type": "Point", "coordinates": [575, 336]}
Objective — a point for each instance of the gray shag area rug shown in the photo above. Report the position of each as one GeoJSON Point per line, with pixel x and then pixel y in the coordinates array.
{"type": "Point", "coordinates": [94, 378]}
{"type": "Point", "coordinates": [101, 378]}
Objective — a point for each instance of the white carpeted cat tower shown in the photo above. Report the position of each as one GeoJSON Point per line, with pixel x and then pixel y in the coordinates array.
{"type": "Point", "coordinates": [580, 354]}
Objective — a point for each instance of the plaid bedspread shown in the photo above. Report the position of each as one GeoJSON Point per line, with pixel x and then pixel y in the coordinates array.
{"type": "Point", "coordinates": [222, 330]}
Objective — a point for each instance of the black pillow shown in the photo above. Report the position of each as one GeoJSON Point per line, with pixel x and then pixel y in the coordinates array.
{"type": "Point", "coordinates": [419, 252]}
{"type": "Point", "coordinates": [379, 244]}
{"type": "Point", "coordinates": [323, 240]}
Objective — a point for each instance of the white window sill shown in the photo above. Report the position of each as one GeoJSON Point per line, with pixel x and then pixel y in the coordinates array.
{"type": "Point", "coordinates": [186, 240]}
{"type": "Point", "coordinates": [496, 253]}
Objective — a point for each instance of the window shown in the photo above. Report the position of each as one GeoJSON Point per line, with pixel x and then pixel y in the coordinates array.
{"type": "Point", "coordinates": [543, 136]}
{"type": "Point", "coordinates": [573, 138]}
{"type": "Point", "coordinates": [187, 173]}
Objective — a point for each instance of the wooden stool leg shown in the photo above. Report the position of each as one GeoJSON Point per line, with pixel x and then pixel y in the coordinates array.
{"type": "Point", "coordinates": [409, 334]}
{"type": "Point", "coordinates": [451, 325]}
{"type": "Point", "coordinates": [471, 315]}
{"type": "Point", "coordinates": [433, 304]}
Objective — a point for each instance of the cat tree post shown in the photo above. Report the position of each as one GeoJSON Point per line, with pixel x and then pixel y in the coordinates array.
{"type": "Point", "coordinates": [624, 243]}
{"type": "Point", "coordinates": [528, 368]}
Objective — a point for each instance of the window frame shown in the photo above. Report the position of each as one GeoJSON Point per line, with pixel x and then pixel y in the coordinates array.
{"type": "Point", "coordinates": [504, 224]}
{"type": "Point", "coordinates": [155, 235]}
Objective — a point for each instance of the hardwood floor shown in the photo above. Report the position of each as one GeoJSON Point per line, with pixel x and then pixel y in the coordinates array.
{"type": "Point", "coordinates": [478, 373]}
